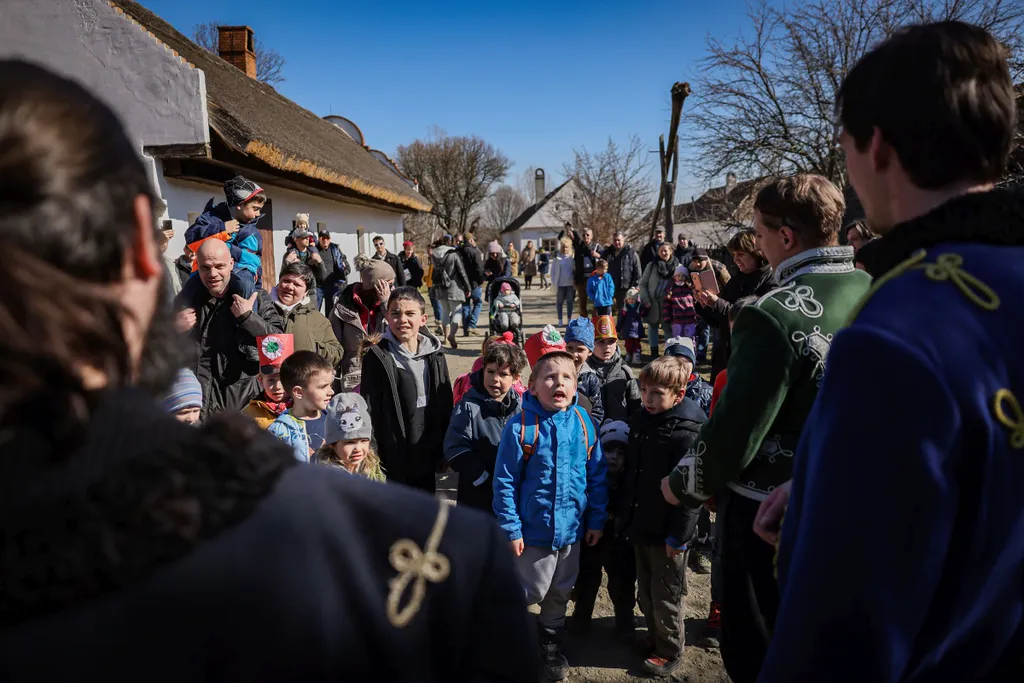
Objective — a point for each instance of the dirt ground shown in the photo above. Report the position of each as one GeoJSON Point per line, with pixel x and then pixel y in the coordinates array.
{"type": "Point", "coordinates": [599, 657]}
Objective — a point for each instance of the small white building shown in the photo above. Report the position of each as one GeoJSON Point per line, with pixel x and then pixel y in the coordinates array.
{"type": "Point", "coordinates": [545, 220]}
{"type": "Point", "coordinates": [200, 119]}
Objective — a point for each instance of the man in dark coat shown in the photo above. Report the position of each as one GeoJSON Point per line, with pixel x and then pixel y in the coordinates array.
{"type": "Point", "coordinates": [336, 269]}
{"type": "Point", "coordinates": [381, 253]}
{"type": "Point", "coordinates": [684, 252]}
{"type": "Point", "coordinates": [650, 251]}
{"type": "Point", "coordinates": [624, 266]}
{"type": "Point", "coordinates": [196, 553]}
{"type": "Point", "coordinates": [473, 264]}
{"type": "Point", "coordinates": [223, 314]}
{"type": "Point", "coordinates": [586, 252]}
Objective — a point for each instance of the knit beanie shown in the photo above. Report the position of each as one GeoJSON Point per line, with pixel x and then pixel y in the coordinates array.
{"type": "Point", "coordinates": [544, 342]}
{"type": "Point", "coordinates": [682, 270]}
{"type": "Point", "coordinates": [494, 248]}
{"type": "Point", "coordinates": [374, 271]}
{"type": "Point", "coordinates": [239, 190]}
{"type": "Point", "coordinates": [347, 419]}
{"type": "Point", "coordinates": [614, 431]}
{"type": "Point", "coordinates": [632, 293]}
{"type": "Point", "coordinates": [186, 392]}
{"type": "Point", "coordinates": [681, 347]}
{"type": "Point", "coordinates": [580, 330]}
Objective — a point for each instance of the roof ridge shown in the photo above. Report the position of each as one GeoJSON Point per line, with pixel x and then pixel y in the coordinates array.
{"type": "Point", "coordinates": [120, 11]}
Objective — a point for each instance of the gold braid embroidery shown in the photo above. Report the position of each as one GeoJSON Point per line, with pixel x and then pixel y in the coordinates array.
{"type": "Point", "coordinates": [416, 566]}
{"type": "Point", "coordinates": [1013, 419]}
{"type": "Point", "coordinates": [947, 267]}
{"type": "Point", "coordinates": [898, 270]}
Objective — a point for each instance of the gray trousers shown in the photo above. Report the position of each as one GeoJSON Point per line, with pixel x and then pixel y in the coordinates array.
{"type": "Point", "coordinates": [548, 577]}
{"type": "Point", "coordinates": [661, 585]}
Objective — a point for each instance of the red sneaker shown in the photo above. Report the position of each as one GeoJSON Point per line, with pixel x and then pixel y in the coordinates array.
{"type": "Point", "coordinates": [659, 666]}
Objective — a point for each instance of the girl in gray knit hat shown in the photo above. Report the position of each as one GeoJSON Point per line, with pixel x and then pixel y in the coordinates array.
{"type": "Point", "coordinates": [347, 444]}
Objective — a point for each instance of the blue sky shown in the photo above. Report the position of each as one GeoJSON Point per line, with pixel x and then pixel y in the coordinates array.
{"type": "Point", "coordinates": [536, 79]}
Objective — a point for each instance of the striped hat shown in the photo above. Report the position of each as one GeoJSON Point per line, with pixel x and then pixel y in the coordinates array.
{"type": "Point", "coordinates": [186, 392]}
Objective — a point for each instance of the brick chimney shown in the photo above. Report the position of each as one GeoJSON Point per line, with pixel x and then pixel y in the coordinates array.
{"type": "Point", "coordinates": [235, 46]}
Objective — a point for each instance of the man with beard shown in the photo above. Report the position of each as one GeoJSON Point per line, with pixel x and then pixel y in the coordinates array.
{"type": "Point", "coordinates": [624, 266]}
{"type": "Point", "coordinates": [927, 473]}
{"type": "Point", "coordinates": [223, 314]}
{"type": "Point", "coordinates": [586, 252]}
{"type": "Point", "coordinates": [182, 547]}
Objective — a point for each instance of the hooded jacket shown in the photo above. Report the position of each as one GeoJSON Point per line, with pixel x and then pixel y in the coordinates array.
{"type": "Point", "coordinates": [352, 320]}
{"type": "Point", "coordinates": [620, 392]}
{"type": "Point", "coordinates": [589, 384]}
{"type": "Point", "coordinates": [549, 498]}
{"type": "Point", "coordinates": [655, 441]}
{"type": "Point", "coordinates": [292, 431]}
{"type": "Point", "coordinates": [409, 397]}
{"type": "Point", "coordinates": [463, 382]}
{"type": "Point", "coordinates": [263, 412]}
{"type": "Point", "coordinates": [472, 263]}
{"type": "Point", "coordinates": [246, 245]}
{"type": "Point", "coordinates": [446, 259]}
{"type": "Point", "coordinates": [630, 323]}
{"type": "Point", "coordinates": [312, 331]}
{"type": "Point", "coordinates": [601, 289]}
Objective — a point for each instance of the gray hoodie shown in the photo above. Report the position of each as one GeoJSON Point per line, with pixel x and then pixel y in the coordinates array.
{"type": "Point", "coordinates": [413, 363]}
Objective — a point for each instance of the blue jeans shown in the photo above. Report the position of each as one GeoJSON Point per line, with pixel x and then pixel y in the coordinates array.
{"type": "Point", "coordinates": [471, 309]}
{"type": "Point", "coordinates": [564, 295]}
{"type": "Point", "coordinates": [435, 305]}
{"type": "Point", "coordinates": [702, 340]}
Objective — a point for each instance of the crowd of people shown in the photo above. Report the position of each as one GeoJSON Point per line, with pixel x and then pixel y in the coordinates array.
{"type": "Point", "coordinates": [858, 442]}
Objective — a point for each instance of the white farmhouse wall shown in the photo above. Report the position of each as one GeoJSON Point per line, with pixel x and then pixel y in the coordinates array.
{"type": "Point", "coordinates": [158, 96]}
{"type": "Point", "coordinates": [343, 220]}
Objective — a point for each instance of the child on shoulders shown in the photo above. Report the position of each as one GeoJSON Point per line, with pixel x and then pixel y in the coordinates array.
{"type": "Point", "coordinates": [307, 378]}
{"type": "Point", "coordinates": [234, 221]}
{"type": "Point", "coordinates": [347, 442]}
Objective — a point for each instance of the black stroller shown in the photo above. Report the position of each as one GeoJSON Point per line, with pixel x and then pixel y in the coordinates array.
{"type": "Point", "coordinates": [505, 316]}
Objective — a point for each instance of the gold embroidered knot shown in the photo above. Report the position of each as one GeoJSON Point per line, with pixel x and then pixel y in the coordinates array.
{"type": "Point", "coordinates": [948, 267]}
{"type": "Point", "coordinates": [1008, 411]}
{"type": "Point", "coordinates": [415, 567]}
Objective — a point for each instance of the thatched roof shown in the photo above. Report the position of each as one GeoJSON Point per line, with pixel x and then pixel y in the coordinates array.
{"type": "Point", "coordinates": [253, 119]}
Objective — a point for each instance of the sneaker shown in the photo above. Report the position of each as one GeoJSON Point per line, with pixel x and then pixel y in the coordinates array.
{"type": "Point", "coordinates": [700, 563]}
{"type": "Point", "coordinates": [709, 637]}
{"type": "Point", "coordinates": [560, 323]}
{"type": "Point", "coordinates": [637, 359]}
{"type": "Point", "coordinates": [556, 666]}
{"type": "Point", "coordinates": [661, 667]}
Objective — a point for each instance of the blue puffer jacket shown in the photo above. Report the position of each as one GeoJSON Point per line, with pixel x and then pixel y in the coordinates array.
{"type": "Point", "coordinates": [292, 431]}
{"type": "Point", "coordinates": [601, 290]}
{"type": "Point", "coordinates": [544, 499]}
{"type": "Point", "coordinates": [246, 245]}
{"type": "Point", "coordinates": [471, 444]}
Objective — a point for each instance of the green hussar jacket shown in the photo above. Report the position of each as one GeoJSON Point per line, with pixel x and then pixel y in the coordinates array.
{"type": "Point", "coordinates": [779, 347]}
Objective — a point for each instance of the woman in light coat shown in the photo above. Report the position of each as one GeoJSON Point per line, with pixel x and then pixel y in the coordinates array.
{"type": "Point", "coordinates": [656, 277]}
{"type": "Point", "coordinates": [563, 279]}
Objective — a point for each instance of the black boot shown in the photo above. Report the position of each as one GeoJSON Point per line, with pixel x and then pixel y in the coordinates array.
{"type": "Point", "coordinates": [556, 666]}
{"type": "Point", "coordinates": [579, 625]}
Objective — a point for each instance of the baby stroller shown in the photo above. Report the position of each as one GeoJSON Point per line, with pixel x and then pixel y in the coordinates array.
{"type": "Point", "coordinates": [505, 312]}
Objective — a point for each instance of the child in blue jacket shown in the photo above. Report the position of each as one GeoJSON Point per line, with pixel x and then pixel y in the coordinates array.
{"type": "Point", "coordinates": [549, 490]}
{"type": "Point", "coordinates": [601, 289]}
{"type": "Point", "coordinates": [234, 222]}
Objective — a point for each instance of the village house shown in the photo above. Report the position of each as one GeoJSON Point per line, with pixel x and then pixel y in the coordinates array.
{"type": "Point", "coordinates": [200, 119]}
{"type": "Point", "coordinates": [542, 222]}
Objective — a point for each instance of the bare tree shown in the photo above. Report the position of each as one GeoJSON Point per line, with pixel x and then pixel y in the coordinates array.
{"type": "Point", "coordinates": [766, 100]}
{"type": "Point", "coordinates": [456, 174]}
{"type": "Point", "coordinates": [503, 207]}
{"type": "Point", "coordinates": [269, 63]}
{"type": "Point", "coordinates": [613, 189]}
{"type": "Point", "coordinates": [528, 186]}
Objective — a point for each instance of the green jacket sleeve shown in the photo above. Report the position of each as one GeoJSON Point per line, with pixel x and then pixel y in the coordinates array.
{"type": "Point", "coordinates": [759, 376]}
{"type": "Point", "coordinates": [327, 344]}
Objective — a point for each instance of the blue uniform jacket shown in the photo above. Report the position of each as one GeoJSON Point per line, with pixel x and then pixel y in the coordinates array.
{"type": "Point", "coordinates": [914, 453]}
{"type": "Point", "coordinates": [546, 499]}
{"type": "Point", "coordinates": [601, 290]}
{"type": "Point", "coordinates": [246, 245]}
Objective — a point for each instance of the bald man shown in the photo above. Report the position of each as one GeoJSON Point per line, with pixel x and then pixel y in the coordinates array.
{"type": "Point", "coordinates": [223, 314]}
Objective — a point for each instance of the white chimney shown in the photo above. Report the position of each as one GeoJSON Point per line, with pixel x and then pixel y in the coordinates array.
{"type": "Point", "coordinates": [730, 182]}
{"type": "Point", "coordinates": [538, 184]}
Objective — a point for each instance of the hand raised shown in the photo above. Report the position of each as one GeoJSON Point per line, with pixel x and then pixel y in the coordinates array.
{"type": "Point", "coordinates": [240, 306]}
{"type": "Point", "coordinates": [185, 320]}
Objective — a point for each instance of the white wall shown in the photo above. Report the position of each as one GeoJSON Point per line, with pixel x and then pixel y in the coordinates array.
{"type": "Point", "coordinates": [524, 235]}
{"type": "Point", "coordinates": [160, 98]}
{"type": "Point", "coordinates": [343, 220]}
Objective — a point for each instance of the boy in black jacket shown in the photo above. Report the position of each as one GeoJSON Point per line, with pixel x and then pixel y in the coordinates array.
{"type": "Point", "coordinates": [667, 425]}
{"type": "Point", "coordinates": [409, 394]}
{"type": "Point", "coordinates": [620, 392]}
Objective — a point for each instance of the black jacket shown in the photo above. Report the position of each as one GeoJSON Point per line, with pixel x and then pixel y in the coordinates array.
{"type": "Point", "coordinates": [649, 253]}
{"type": "Point", "coordinates": [583, 255]}
{"type": "Point", "coordinates": [759, 282]}
{"type": "Point", "coordinates": [620, 392]}
{"type": "Point", "coordinates": [624, 267]}
{"type": "Point", "coordinates": [390, 395]}
{"type": "Point", "coordinates": [412, 264]}
{"type": "Point", "coordinates": [226, 361]}
{"type": "Point", "coordinates": [260, 568]}
{"type": "Point", "coordinates": [395, 263]}
{"type": "Point", "coordinates": [656, 442]}
{"type": "Point", "coordinates": [473, 263]}
{"type": "Point", "coordinates": [589, 385]}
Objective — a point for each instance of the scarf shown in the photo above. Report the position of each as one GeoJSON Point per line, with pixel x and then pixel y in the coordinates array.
{"type": "Point", "coordinates": [666, 269]}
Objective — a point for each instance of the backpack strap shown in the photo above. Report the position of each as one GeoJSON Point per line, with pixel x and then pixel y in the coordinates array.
{"type": "Point", "coordinates": [528, 448]}
{"type": "Point", "coordinates": [586, 433]}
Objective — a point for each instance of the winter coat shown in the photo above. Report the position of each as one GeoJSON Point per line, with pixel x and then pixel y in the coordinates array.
{"type": "Point", "coordinates": [513, 261]}
{"type": "Point", "coordinates": [684, 255]}
{"type": "Point", "coordinates": [652, 289]}
{"type": "Point", "coordinates": [312, 331]}
{"type": "Point", "coordinates": [678, 306]}
{"type": "Point", "coordinates": [471, 444]}
{"type": "Point", "coordinates": [699, 391]}
{"type": "Point", "coordinates": [396, 265]}
{"type": "Point", "coordinates": [550, 497]}
{"type": "Point", "coordinates": [473, 264]}
{"type": "Point", "coordinates": [620, 392]}
{"type": "Point", "coordinates": [497, 267]}
{"type": "Point", "coordinates": [601, 290]}
{"type": "Point", "coordinates": [412, 264]}
{"type": "Point", "coordinates": [447, 259]}
{"type": "Point", "coordinates": [655, 444]}
{"type": "Point", "coordinates": [543, 263]}
{"type": "Point", "coordinates": [262, 412]}
{"type": "Point", "coordinates": [391, 397]}
{"type": "Point", "coordinates": [630, 323]}
{"type": "Point", "coordinates": [649, 253]}
{"type": "Point", "coordinates": [562, 271]}
{"type": "Point", "coordinates": [758, 283]}
{"type": "Point", "coordinates": [182, 269]}
{"type": "Point", "coordinates": [528, 262]}
{"type": "Point", "coordinates": [351, 321]}
{"type": "Point", "coordinates": [320, 268]}
{"type": "Point", "coordinates": [336, 267]}
{"type": "Point", "coordinates": [583, 257]}
{"type": "Point", "coordinates": [246, 244]}
{"type": "Point", "coordinates": [292, 431]}
{"type": "Point", "coordinates": [219, 531]}
{"type": "Point", "coordinates": [463, 382]}
{"type": "Point", "coordinates": [589, 384]}
{"type": "Point", "coordinates": [624, 266]}
{"type": "Point", "coordinates": [226, 361]}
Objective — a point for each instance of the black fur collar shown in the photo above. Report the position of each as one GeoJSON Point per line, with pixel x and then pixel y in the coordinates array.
{"type": "Point", "coordinates": [141, 492]}
{"type": "Point", "coordinates": [995, 217]}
